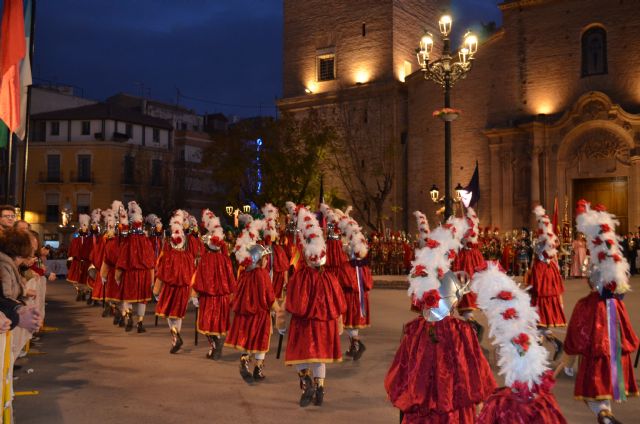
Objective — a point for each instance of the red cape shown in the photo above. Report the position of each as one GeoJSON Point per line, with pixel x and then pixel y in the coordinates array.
{"type": "Point", "coordinates": [214, 275]}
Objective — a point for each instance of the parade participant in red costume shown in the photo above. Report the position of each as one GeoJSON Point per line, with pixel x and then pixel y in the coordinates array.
{"type": "Point", "coordinates": [79, 253]}
{"type": "Point", "coordinates": [527, 397]}
{"type": "Point", "coordinates": [195, 243]}
{"type": "Point", "coordinates": [468, 259]}
{"type": "Point", "coordinates": [97, 258]}
{"type": "Point", "coordinates": [113, 290]}
{"type": "Point", "coordinates": [356, 285]}
{"type": "Point", "coordinates": [93, 279]}
{"type": "Point", "coordinates": [278, 263]}
{"type": "Point", "coordinates": [546, 281]}
{"type": "Point", "coordinates": [316, 302]}
{"type": "Point", "coordinates": [214, 283]}
{"type": "Point", "coordinates": [600, 330]}
{"type": "Point", "coordinates": [292, 244]}
{"type": "Point", "coordinates": [135, 268]}
{"type": "Point", "coordinates": [251, 329]}
{"type": "Point", "coordinates": [439, 373]}
{"type": "Point", "coordinates": [156, 234]}
{"type": "Point", "coordinates": [176, 267]}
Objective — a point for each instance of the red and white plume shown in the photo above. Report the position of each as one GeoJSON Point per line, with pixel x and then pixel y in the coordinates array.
{"type": "Point", "coordinates": [328, 213]}
{"type": "Point", "coordinates": [471, 235]}
{"type": "Point", "coordinates": [96, 215]}
{"type": "Point", "coordinates": [153, 220]}
{"type": "Point", "coordinates": [434, 260]}
{"type": "Point", "coordinates": [135, 212]}
{"type": "Point", "coordinates": [116, 207]}
{"type": "Point", "coordinates": [249, 237]}
{"type": "Point", "coordinates": [193, 221]}
{"type": "Point", "coordinates": [545, 234]}
{"type": "Point", "coordinates": [270, 232]}
{"type": "Point", "coordinates": [244, 219]}
{"type": "Point", "coordinates": [291, 209]}
{"type": "Point", "coordinates": [177, 229]}
{"type": "Point", "coordinates": [83, 220]}
{"type": "Point", "coordinates": [352, 231]}
{"type": "Point", "coordinates": [512, 325]}
{"type": "Point", "coordinates": [212, 223]}
{"type": "Point", "coordinates": [599, 227]}
{"type": "Point", "coordinates": [313, 244]}
{"type": "Point", "coordinates": [182, 215]}
{"type": "Point", "coordinates": [109, 219]}
{"type": "Point", "coordinates": [423, 228]}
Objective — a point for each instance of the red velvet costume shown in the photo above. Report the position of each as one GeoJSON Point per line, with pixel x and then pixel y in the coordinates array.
{"type": "Point", "coordinates": [137, 261]}
{"type": "Point", "coordinates": [157, 241]}
{"type": "Point", "coordinates": [214, 281]}
{"type": "Point", "coordinates": [468, 259]}
{"type": "Point", "coordinates": [588, 336]}
{"type": "Point", "coordinates": [175, 269]}
{"type": "Point", "coordinates": [315, 301]}
{"type": "Point", "coordinates": [113, 290]}
{"type": "Point", "coordinates": [505, 406]}
{"type": "Point", "coordinates": [439, 373]}
{"type": "Point", "coordinates": [546, 293]}
{"type": "Point", "coordinates": [80, 250]}
{"type": "Point", "coordinates": [96, 258]}
{"type": "Point", "coordinates": [251, 328]}
{"type": "Point", "coordinates": [356, 281]}
{"type": "Point", "coordinates": [279, 262]}
{"type": "Point", "coordinates": [196, 245]}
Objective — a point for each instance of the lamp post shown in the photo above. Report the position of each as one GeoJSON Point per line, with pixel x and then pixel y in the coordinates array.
{"type": "Point", "coordinates": [232, 211]}
{"type": "Point", "coordinates": [445, 72]}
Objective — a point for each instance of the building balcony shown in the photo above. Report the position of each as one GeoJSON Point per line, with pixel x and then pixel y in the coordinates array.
{"type": "Point", "coordinates": [46, 178]}
{"type": "Point", "coordinates": [81, 178]}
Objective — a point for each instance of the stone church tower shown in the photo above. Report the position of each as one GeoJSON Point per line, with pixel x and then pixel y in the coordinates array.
{"type": "Point", "coordinates": [347, 60]}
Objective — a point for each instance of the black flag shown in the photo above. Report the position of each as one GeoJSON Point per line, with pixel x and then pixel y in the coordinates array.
{"type": "Point", "coordinates": [473, 188]}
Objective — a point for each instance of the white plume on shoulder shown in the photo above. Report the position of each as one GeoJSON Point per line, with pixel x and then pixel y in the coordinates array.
{"type": "Point", "coordinates": [135, 211]}
{"type": "Point", "coordinates": [314, 246]}
{"type": "Point", "coordinates": [328, 213]}
{"type": "Point", "coordinates": [546, 236]}
{"type": "Point", "coordinates": [177, 229]}
{"type": "Point", "coordinates": [423, 228]}
{"type": "Point", "coordinates": [353, 233]}
{"type": "Point", "coordinates": [459, 227]}
{"type": "Point", "coordinates": [291, 208]}
{"type": "Point", "coordinates": [96, 215]}
{"type": "Point", "coordinates": [83, 219]}
{"type": "Point", "coordinates": [603, 244]}
{"type": "Point", "coordinates": [270, 230]}
{"type": "Point", "coordinates": [116, 205]}
{"type": "Point", "coordinates": [512, 320]}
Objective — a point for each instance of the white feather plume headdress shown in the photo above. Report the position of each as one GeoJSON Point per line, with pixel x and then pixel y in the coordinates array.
{"type": "Point", "coordinates": [212, 224]}
{"type": "Point", "coordinates": [313, 243]}
{"type": "Point", "coordinates": [153, 219]}
{"type": "Point", "coordinates": [471, 235]}
{"type": "Point", "coordinates": [176, 224]}
{"type": "Point", "coordinates": [83, 220]}
{"type": "Point", "coordinates": [117, 207]}
{"type": "Point", "coordinates": [244, 219]}
{"type": "Point", "coordinates": [423, 228]}
{"type": "Point", "coordinates": [96, 215]}
{"type": "Point", "coordinates": [513, 326]}
{"type": "Point", "coordinates": [249, 237]}
{"type": "Point", "coordinates": [353, 232]}
{"type": "Point", "coordinates": [109, 219]}
{"type": "Point", "coordinates": [270, 232]}
{"type": "Point", "coordinates": [603, 244]}
{"type": "Point", "coordinates": [546, 236]}
{"type": "Point", "coordinates": [135, 212]}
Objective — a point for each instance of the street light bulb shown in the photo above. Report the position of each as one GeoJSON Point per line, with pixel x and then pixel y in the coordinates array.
{"type": "Point", "coordinates": [445, 24]}
{"type": "Point", "coordinates": [229, 210]}
{"type": "Point", "coordinates": [434, 193]}
{"type": "Point", "coordinates": [471, 41]}
{"type": "Point", "coordinates": [463, 54]}
{"type": "Point", "coordinates": [426, 43]}
{"type": "Point", "coordinates": [459, 189]}
{"type": "Point", "coordinates": [246, 208]}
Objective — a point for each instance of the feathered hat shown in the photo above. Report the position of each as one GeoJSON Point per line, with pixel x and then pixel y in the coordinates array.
{"type": "Point", "coordinates": [610, 269]}
{"type": "Point", "coordinates": [313, 244]}
{"type": "Point", "coordinates": [109, 219]}
{"type": "Point", "coordinates": [471, 235]}
{"type": "Point", "coordinates": [270, 232]}
{"type": "Point", "coordinates": [96, 215]}
{"type": "Point", "coordinates": [116, 207]}
{"type": "Point", "coordinates": [246, 241]}
{"type": "Point", "coordinates": [357, 243]}
{"type": "Point", "coordinates": [177, 228]}
{"type": "Point", "coordinates": [512, 324]}
{"type": "Point", "coordinates": [546, 237]}
{"type": "Point", "coordinates": [135, 212]}
{"type": "Point", "coordinates": [83, 220]}
{"type": "Point", "coordinates": [153, 220]}
{"type": "Point", "coordinates": [212, 223]}
{"type": "Point", "coordinates": [244, 219]}
{"type": "Point", "coordinates": [423, 228]}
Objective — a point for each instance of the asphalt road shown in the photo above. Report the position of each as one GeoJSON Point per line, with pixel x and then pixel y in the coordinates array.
{"type": "Point", "coordinates": [89, 371]}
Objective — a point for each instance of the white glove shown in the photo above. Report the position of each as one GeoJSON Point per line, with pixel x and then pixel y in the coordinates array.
{"type": "Point", "coordinates": [104, 280]}
{"type": "Point", "coordinates": [195, 302]}
{"type": "Point", "coordinates": [282, 331]}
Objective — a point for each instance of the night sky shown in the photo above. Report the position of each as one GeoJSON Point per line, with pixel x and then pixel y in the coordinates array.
{"type": "Point", "coordinates": [227, 52]}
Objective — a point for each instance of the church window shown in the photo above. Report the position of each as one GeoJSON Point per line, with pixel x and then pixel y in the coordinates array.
{"type": "Point", "coordinates": [594, 52]}
{"type": "Point", "coordinates": [326, 67]}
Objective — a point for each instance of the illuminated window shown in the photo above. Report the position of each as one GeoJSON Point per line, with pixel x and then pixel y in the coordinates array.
{"type": "Point", "coordinates": [327, 67]}
{"type": "Point", "coordinates": [594, 52]}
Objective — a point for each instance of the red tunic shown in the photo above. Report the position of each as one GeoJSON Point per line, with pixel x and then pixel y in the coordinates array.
{"type": "Point", "coordinates": [315, 301]}
{"type": "Point", "coordinates": [439, 373]}
{"type": "Point", "coordinates": [588, 336]}
{"type": "Point", "coordinates": [546, 293]}
{"type": "Point", "coordinates": [505, 406]}
{"type": "Point", "coordinates": [157, 241]}
{"type": "Point", "coordinates": [80, 250]}
{"type": "Point", "coordinates": [356, 293]}
{"type": "Point", "coordinates": [113, 290]}
{"type": "Point", "coordinates": [251, 328]}
{"type": "Point", "coordinates": [175, 270]}
{"type": "Point", "coordinates": [196, 245]}
{"type": "Point", "coordinates": [468, 259]}
{"type": "Point", "coordinates": [137, 261]}
{"type": "Point", "coordinates": [214, 281]}
{"type": "Point", "coordinates": [280, 264]}
{"type": "Point", "coordinates": [97, 256]}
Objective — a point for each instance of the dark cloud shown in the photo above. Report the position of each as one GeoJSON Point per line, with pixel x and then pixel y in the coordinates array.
{"type": "Point", "coordinates": [229, 51]}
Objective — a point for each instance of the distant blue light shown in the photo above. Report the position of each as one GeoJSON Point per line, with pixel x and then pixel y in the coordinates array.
{"type": "Point", "coordinates": [259, 142]}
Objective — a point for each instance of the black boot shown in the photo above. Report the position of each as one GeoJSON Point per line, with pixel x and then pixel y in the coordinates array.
{"type": "Point", "coordinates": [116, 315]}
{"type": "Point", "coordinates": [212, 347]}
{"type": "Point", "coordinates": [105, 312]}
{"type": "Point", "coordinates": [217, 353]}
{"type": "Point", "coordinates": [319, 398]}
{"type": "Point", "coordinates": [258, 374]}
{"type": "Point", "coordinates": [306, 385]}
{"type": "Point", "coordinates": [606, 417]}
{"type": "Point", "coordinates": [140, 327]}
{"type": "Point", "coordinates": [89, 300]}
{"type": "Point", "coordinates": [244, 369]}
{"type": "Point", "coordinates": [352, 347]}
{"type": "Point", "coordinates": [78, 295]}
{"type": "Point", "coordinates": [557, 344]}
{"type": "Point", "coordinates": [122, 320]}
{"type": "Point", "coordinates": [177, 342]}
{"type": "Point", "coordinates": [129, 326]}
{"type": "Point", "coordinates": [359, 350]}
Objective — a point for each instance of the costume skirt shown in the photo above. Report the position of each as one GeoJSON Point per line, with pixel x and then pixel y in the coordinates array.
{"type": "Point", "coordinates": [250, 333]}
{"type": "Point", "coordinates": [312, 340]}
{"type": "Point", "coordinates": [136, 285]}
{"type": "Point", "coordinates": [172, 302]}
{"type": "Point", "coordinates": [213, 315]}
{"type": "Point", "coordinates": [356, 315]}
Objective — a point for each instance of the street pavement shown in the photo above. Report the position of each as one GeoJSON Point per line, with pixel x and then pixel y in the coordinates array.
{"type": "Point", "coordinates": [89, 371]}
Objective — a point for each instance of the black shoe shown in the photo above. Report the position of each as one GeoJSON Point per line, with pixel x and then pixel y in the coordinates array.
{"type": "Point", "coordinates": [217, 353]}
{"type": "Point", "coordinates": [258, 375]}
{"type": "Point", "coordinates": [359, 350]}
{"type": "Point", "coordinates": [319, 397]}
{"type": "Point", "coordinates": [177, 344]}
{"type": "Point", "coordinates": [308, 391]}
{"type": "Point", "coordinates": [116, 316]}
{"type": "Point", "coordinates": [606, 417]}
{"type": "Point", "coordinates": [244, 369]}
{"type": "Point", "coordinates": [89, 300]}
{"type": "Point", "coordinates": [121, 321]}
{"type": "Point", "coordinates": [140, 327]}
{"type": "Point", "coordinates": [105, 312]}
{"type": "Point", "coordinates": [352, 348]}
{"type": "Point", "coordinates": [129, 325]}
{"type": "Point", "coordinates": [557, 343]}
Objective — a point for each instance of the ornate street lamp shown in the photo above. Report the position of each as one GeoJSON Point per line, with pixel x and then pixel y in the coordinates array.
{"type": "Point", "coordinates": [446, 71]}
{"type": "Point", "coordinates": [458, 195]}
{"type": "Point", "coordinates": [434, 193]}
{"type": "Point", "coordinates": [246, 208]}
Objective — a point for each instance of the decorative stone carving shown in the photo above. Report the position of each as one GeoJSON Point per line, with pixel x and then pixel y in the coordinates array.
{"type": "Point", "coordinates": [602, 144]}
{"type": "Point", "coordinates": [594, 110]}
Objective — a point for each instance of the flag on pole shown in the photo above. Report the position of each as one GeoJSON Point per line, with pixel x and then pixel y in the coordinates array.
{"type": "Point", "coordinates": [471, 193]}
{"type": "Point", "coordinates": [554, 221]}
{"type": "Point", "coordinates": [12, 50]}
{"type": "Point", "coordinates": [25, 70]}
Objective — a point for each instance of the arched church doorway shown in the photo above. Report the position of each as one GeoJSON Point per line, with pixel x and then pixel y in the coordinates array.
{"type": "Point", "coordinates": [610, 192]}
